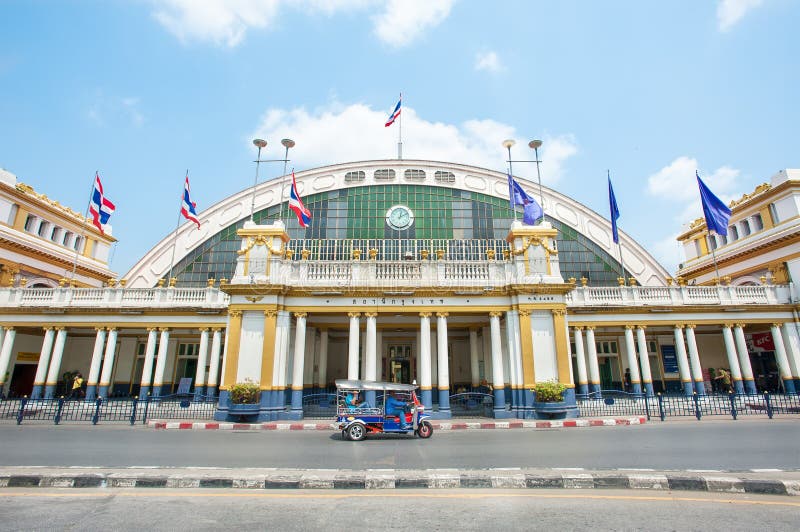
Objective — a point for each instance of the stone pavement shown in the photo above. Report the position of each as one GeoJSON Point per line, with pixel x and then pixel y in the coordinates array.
{"type": "Point", "coordinates": [772, 482]}
{"type": "Point", "coordinates": [438, 424]}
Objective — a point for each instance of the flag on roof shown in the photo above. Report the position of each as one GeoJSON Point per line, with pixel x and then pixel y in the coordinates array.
{"type": "Point", "coordinates": [395, 113]}
{"type": "Point", "coordinates": [532, 211]}
{"type": "Point", "coordinates": [188, 206]}
{"type": "Point", "coordinates": [714, 209]}
{"type": "Point", "coordinates": [612, 203]}
{"type": "Point", "coordinates": [100, 207]}
{"type": "Point", "coordinates": [296, 204]}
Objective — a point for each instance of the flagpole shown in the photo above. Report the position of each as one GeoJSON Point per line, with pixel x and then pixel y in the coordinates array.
{"type": "Point", "coordinates": [287, 143]}
{"type": "Point", "coordinates": [175, 236]}
{"type": "Point", "coordinates": [713, 255]}
{"type": "Point", "coordinates": [507, 144]}
{"type": "Point", "coordinates": [619, 243]}
{"type": "Point", "coordinates": [400, 132]}
{"type": "Point", "coordinates": [83, 229]}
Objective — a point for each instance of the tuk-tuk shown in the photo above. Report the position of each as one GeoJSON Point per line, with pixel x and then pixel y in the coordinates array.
{"type": "Point", "coordinates": [375, 407]}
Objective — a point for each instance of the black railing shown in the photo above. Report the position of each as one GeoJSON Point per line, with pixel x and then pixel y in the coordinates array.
{"type": "Point", "coordinates": [471, 404]}
{"type": "Point", "coordinates": [319, 406]}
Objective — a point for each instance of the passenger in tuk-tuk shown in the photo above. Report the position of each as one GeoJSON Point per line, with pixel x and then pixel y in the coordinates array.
{"type": "Point", "coordinates": [397, 407]}
{"type": "Point", "coordinates": [353, 401]}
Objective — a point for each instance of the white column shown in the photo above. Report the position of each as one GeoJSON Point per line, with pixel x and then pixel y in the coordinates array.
{"type": "Point", "coordinates": [486, 354]}
{"type": "Point", "coordinates": [630, 352]}
{"type": "Point", "coordinates": [149, 355]}
{"type": "Point", "coordinates": [744, 355]}
{"type": "Point", "coordinates": [108, 360]}
{"type": "Point", "coordinates": [694, 360]}
{"type": "Point", "coordinates": [443, 370]}
{"type": "Point", "coordinates": [363, 345]}
{"type": "Point", "coordinates": [517, 348]}
{"type": "Point", "coordinates": [644, 359]}
{"type": "Point", "coordinates": [497, 355]}
{"type": "Point", "coordinates": [352, 358]}
{"type": "Point", "coordinates": [580, 357]}
{"type": "Point", "coordinates": [298, 361]}
{"type": "Point", "coordinates": [425, 355]}
{"type": "Point", "coordinates": [473, 358]}
{"type": "Point", "coordinates": [161, 361]}
{"type": "Point", "coordinates": [370, 348]}
{"type": "Point", "coordinates": [44, 357]}
{"type": "Point", "coordinates": [792, 348]}
{"type": "Point", "coordinates": [202, 357]}
{"type": "Point", "coordinates": [322, 375]}
{"type": "Point", "coordinates": [509, 337]}
{"type": "Point", "coordinates": [53, 372]}
{"type": "Point", "coordinates": [213, 370]}
{"type": "Point", "coordinates": [730, 350]}
{"type": "Point", "coordinates": [5, 355]}
{"type": "Point", "coordinates": [780, 353]}
{"type": "Point", "coordinates": [683, 362]}
{"type": "Point", "coordinates": [594, 365]}
{"type": "Point", "coordinates": [97, 360]}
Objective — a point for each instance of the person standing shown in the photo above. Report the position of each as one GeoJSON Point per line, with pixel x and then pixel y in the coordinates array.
{"type": "Point", "coordinates": [77, 386]}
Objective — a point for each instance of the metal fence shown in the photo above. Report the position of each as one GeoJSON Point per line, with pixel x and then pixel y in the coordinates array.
{"type": "Point", "coordinates": [471, 404]}
{"type": "Point", "coordinates": [319, 406]}
{"type": "Point", "coordinates": [616, 403]}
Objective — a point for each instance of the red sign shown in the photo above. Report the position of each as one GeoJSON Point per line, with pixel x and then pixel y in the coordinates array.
{"type": "Point", "coordinates": [763, 341]}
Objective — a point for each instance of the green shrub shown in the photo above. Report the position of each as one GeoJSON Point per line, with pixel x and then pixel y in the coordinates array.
{"type": "Point", "coordinates": [244, 393]}
{"type": "Point", "coordinates": [549, 391]}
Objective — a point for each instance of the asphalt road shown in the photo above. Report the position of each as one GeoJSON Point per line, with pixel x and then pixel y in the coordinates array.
{"type": "Point", "coordinates": [397, 510]}
{"type": "Point", "coordinates": [709, 444]}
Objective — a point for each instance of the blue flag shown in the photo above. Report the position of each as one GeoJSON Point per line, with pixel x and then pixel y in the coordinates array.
{"type": "Point", "coordinates": [612, 204]}
{"type": "Point", "coordinates": [517, 196]}
{"type": "Point", "coordinates": [714, 209]}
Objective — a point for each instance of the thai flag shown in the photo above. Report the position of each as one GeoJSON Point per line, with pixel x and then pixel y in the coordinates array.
{"type": "Point", "coordinates": [395, 113]}
{"type": "Point", "coordinates": [296, 204]}
{"type": "Point", "coordinates": [188, 206]}
{"type": "Point", "coordinates": [100, 207]}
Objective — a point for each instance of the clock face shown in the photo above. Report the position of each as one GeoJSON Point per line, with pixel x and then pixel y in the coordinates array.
{"type": "Point", "coordinates": [399, 217]}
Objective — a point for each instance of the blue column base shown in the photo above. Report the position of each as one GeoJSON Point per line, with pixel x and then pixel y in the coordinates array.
{"type": "Point", "coordinates": [211, 391]}
{"type": "Point", "coordinates": [648, 388]}
{"type": "Point", "coordinates": [500, 411]}
{"type": "Point", "coordinates": [143, 391]}
{"type": "Point", "coordinates": [426, 397]}
{"type": "Point", "coordinates": [36, 393]}
{"type": "Point", "coordinates": [583, 389]}
{"type": "Point", "coordinates": [788, 386]}
{"type": "Point", "coordinates": [700, 387]}
{"type": "Point", "coordinates": [297, 405]}
{"type": "Point", "coordinates": [444, 401]}
{"type": "Point", "coordinates": [688, 389]}
{"type": "Point", "coordinates": [156, 391]}
{"type": "Point", "coordinates": [738, 387]}
{"type": "Point", "coordinates": [91, 392]}
{"type": "Point", "coordinates": [221, 414]}
{"type": "Point", "coordinates": [594, 388]}
{"type": "Point", "coordinates": [636, 388]}
{"type": "Point", "coordinates": [749, 386]}
{"type": "Point", "coordinates": [796, 383]}
{"type": "Point", "coordinates": [49, 391]}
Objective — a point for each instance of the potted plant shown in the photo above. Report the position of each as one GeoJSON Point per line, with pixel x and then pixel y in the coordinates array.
{"type": "Point", "coordinates": [548, 402]}
{"type": "Point", "coordinates": [243, 398]}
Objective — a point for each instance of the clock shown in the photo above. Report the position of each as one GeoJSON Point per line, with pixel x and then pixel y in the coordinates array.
{"type": "Point", "coordinates": [399, 217]}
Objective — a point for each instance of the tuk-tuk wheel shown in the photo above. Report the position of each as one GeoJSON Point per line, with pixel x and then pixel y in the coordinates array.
{"type": "Point", "coordinates": [356, 432]}
{"type": "Point", "coordinates": [425, 430]}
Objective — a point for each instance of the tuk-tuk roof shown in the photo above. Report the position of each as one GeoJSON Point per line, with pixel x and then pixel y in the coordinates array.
{"type": "Point", "coordinates": [374, 385]}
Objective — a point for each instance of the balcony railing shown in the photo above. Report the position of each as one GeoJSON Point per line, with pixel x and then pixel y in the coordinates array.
{"type": "Point", "coordinates": [113, 297]}
{"type": "Point", "coordinates": [643, 296]}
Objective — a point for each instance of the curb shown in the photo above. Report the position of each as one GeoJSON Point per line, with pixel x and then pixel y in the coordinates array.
{"type": "Point", "coordinates": [512, 478]}
{"type": "Point", "coordinates": [437, 425]}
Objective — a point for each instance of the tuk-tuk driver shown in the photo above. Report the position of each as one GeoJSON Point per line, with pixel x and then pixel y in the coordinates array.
{"type": "Point", "coordinates": [396, 407]}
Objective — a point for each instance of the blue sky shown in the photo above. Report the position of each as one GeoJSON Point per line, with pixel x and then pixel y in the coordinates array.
{"type": "Point", "coordinates": [141, 90]}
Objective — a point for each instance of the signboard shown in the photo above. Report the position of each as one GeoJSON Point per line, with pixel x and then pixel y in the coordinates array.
{"type": "Point", "coordinates": [669, 358]}
{"type": "Point", "coordinates": [184, 385]}
{"type": "Point", "coordinates": [27, 357]}
{"type": "Point", "coordinates": [763, 341]}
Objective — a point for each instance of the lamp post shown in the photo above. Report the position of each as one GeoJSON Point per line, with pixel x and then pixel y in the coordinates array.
{"type": "Point", "coordinates": [507, 145]}
{"type": "Point", "coordinates": [259, 143]}
{"type": "Point", "coordinates": [287, 143]}
{"type": "Point", "coordinates": [535, 144]}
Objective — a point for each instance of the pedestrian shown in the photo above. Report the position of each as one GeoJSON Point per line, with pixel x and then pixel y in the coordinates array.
{"type": "Point", "coordinates": [627, 379]}
{"type": "Point", "coordinates": [77, 386]}
{"type": "Point", "coordinates": [724, 378]}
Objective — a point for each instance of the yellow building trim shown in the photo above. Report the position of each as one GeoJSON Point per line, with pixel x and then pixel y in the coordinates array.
{"type": "Point", "coordinates": [766, 217]}
{"type": "Point", "coordinates": [562, 345]}
{"type": "Point", "coordinates": [88, 248]}
{"type": "Point", "coordinates": [232, 351]}
{"type": "Point", "coordinates": [526, 343]}
{"type": "Point", "coordinates": [19, 219]}
{"type": "Point", "coordinates": [703, 242]}
{"type": "Point", "coordinates": [268, 348]}
{"type": "Point", "coordinates": [672, 321]}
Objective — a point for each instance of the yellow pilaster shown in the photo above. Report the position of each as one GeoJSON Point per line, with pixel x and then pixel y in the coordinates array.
{"type": "Point", "coordinates": [232, 353]}
{"type": "Point", "coordinates": [703, 244]}
{"type": "Point", "coordinates": [562, 345]}
{"type": "Point", "coordinates": [766, 217]}
{"type": "Point", "coordinates": [19, 219]}
{"type": "Point", "coordinates": [88, 249]}
{"type": "Point", "coordinates": [526, 342]}
{"type": "Point", "coordinates": [268, 349]}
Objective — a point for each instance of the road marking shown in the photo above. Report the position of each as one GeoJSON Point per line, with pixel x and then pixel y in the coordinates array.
{"type": "Point", "coordinates": [387, 495]}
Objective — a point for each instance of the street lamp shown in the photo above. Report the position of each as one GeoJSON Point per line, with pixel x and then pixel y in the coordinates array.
{"type": "Point", "coordinates": [534, 145]}
{"type": "Point", "coordinates": [507, 145]}
{"type": "Point", "coordinates": [287, 143]}
{"type": "Point", "coordinates": [259, 143]}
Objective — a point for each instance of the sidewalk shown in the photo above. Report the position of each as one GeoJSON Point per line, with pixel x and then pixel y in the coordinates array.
{"type": "Point", "coordinates": [438, 424]}
{"type": "Point", "coordinates": [771, 482]}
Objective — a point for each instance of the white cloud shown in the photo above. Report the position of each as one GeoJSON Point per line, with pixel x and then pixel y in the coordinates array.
{"type": "Point", "coordinates": [729, 12]}
{"type": "Point", "coordinates": [114, 111]}
{"type": "Point", "coordinates": [225, 22]}
{"type": "Point", "coordinates": [489, 62]}
{"type": "Point", "coordinates": [404, 21]}
{"type": "Point", "coordinates": [356, 132]}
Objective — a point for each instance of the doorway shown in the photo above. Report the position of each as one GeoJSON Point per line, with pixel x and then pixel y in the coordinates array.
{"type": "Point", "coordinates": [22, 380]}
{"type": "Point", "coordinates": [400, 363]}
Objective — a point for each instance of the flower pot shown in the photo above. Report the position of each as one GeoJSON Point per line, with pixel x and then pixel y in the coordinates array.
{"type": "Point", "coordinates": [556, 410]}
{"type": "Point", "coordinates": [243, 411]}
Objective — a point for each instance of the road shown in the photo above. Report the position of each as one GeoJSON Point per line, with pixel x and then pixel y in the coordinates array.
{"type": "Point", "coordinates": [709, 444]}
{"type": "Point", "coordinates": [397, 510]}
